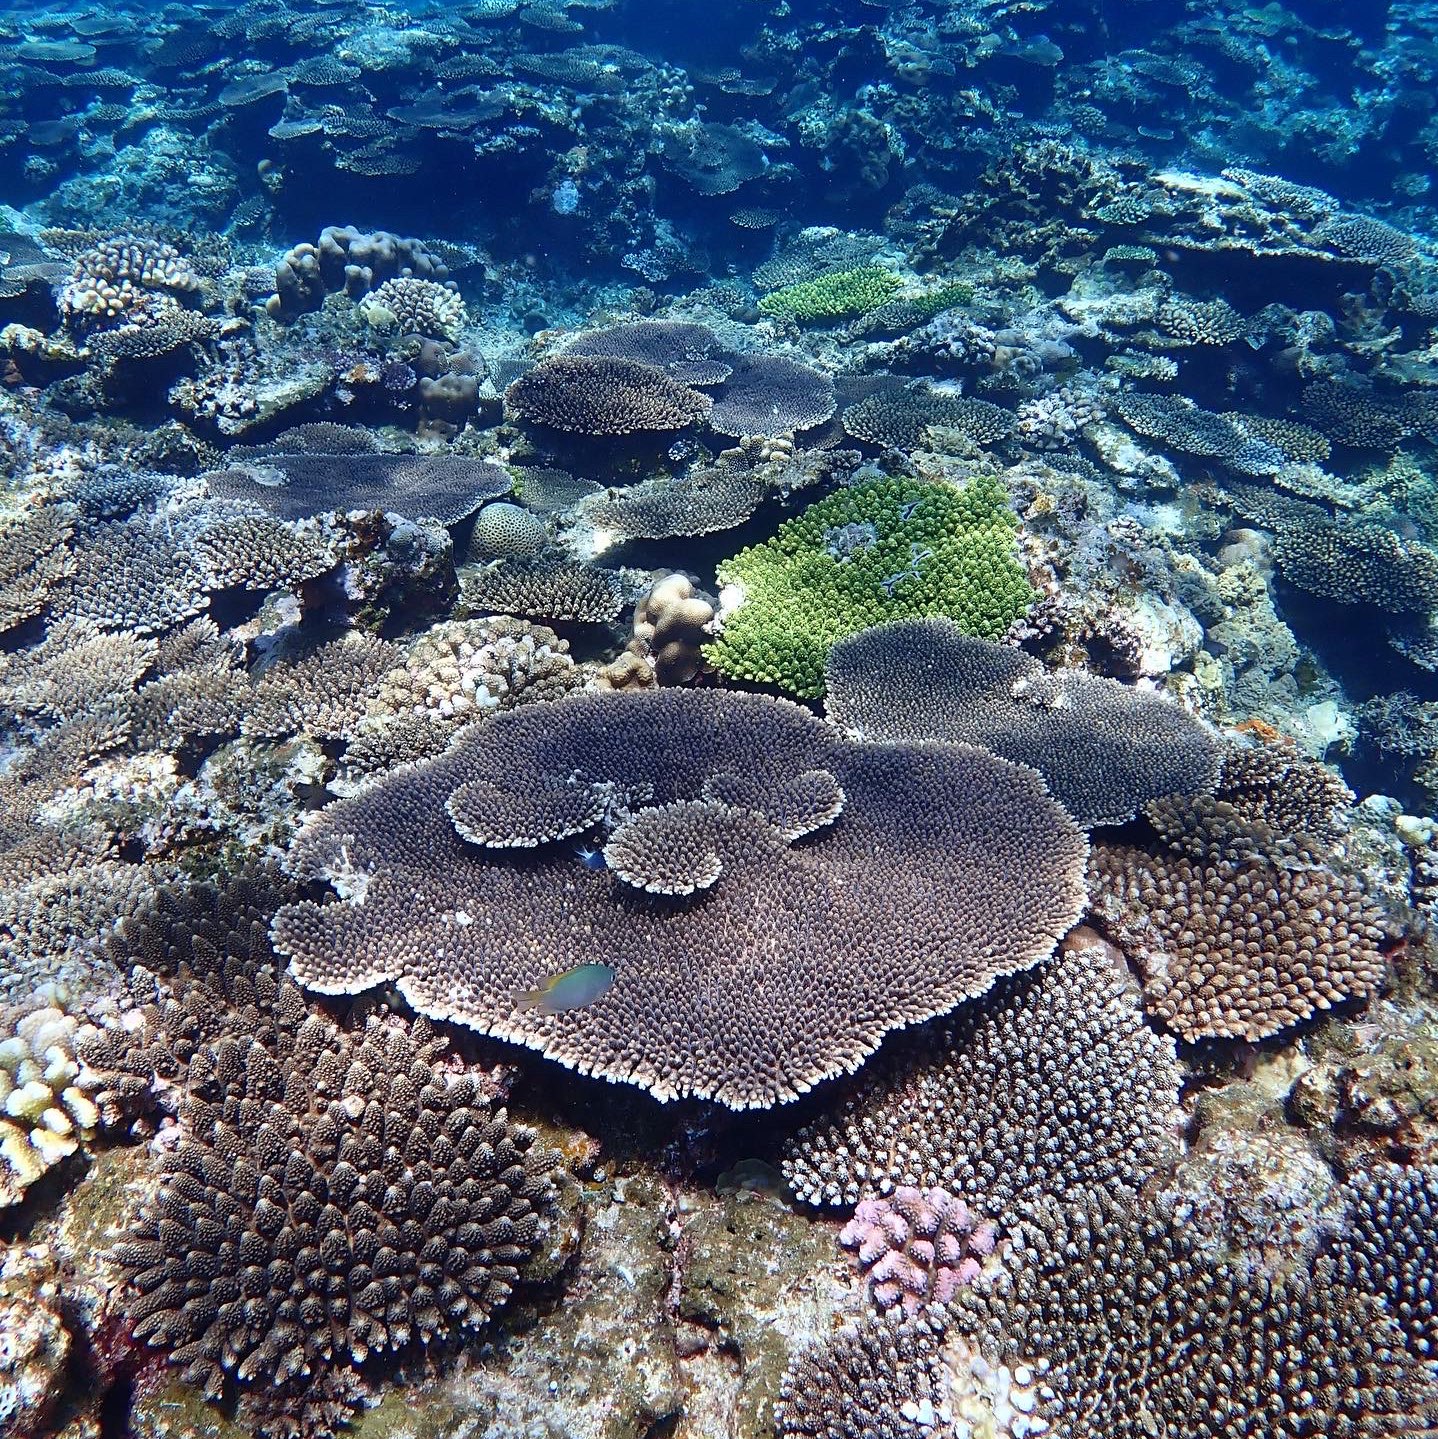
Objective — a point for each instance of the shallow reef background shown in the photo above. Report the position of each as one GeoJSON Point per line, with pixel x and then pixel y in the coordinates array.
{"type": "Point", "coordinates": [903, 535]}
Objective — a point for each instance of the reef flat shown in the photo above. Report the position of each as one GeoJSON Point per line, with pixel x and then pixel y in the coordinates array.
{"type": "Point", "coordinates": [718, 725]}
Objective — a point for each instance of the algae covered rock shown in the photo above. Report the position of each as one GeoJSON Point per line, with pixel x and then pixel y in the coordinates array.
{"type": "Point", "coordinates": [885, 549]}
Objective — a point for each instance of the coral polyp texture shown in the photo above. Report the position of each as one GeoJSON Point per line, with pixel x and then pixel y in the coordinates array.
{"type": "Point", "coordinates": [332, 1199]}
{"type": "Point", "coordinates": [1104, 748]}
{"type": "Point", "coordinates": [1049, 1084]}
{"type": "Point", "coordinates": [1238, 945]}
{"type": "Point", "coordinates": [766, 870]}
{"type": "Point", "coordinates": [917, 1246]}
{"type": "Point", "coordinates": [600, 395]}
{"type": "Point", "coordinates": [879, 550]}
{"type": "Point", "coordinates": [1390, 1248]}
{"type": "Point", "coordinates": [1109, 1323]}
{"type": "Point", "coordinates": [294, 486]}
{"type": "Point", "coordinates": [881, 1377]}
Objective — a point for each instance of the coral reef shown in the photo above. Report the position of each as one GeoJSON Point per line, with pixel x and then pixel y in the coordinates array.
{"type": "Point", "coordinates": [917, 1246]}
{"type": "Point", "coordinates": [739, 997]}
{"type": "Point", "coordinates": [985, 1106]}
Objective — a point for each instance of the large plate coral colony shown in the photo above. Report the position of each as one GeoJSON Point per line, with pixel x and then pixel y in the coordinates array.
{"type": "Point", "coordinates": [719, 722]}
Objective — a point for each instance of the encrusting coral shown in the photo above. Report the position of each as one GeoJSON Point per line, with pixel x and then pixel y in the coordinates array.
{"type": "Point", "coordinates": [776, 974]}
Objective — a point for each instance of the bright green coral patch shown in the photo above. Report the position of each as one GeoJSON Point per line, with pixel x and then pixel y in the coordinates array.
{"type": "Point", "coordinates": [832, 297]}
{"type": "Point", "coordinates": [883, 550]}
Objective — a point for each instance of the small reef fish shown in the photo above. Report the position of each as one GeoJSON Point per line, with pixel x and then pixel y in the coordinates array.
{"type": "Point", "coordinates": [570, 989]}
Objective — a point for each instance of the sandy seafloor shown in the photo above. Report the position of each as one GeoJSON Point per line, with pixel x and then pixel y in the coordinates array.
{"type": "Point", "coordinates": [718, 723]}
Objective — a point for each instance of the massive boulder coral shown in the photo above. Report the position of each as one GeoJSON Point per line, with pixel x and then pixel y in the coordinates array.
{"type": "Point", "coordinates": [1104, 748]}
{"type": "Point", "coordinates": [746, 966]}
{"type": "Point", "coordinates": [880, 550]}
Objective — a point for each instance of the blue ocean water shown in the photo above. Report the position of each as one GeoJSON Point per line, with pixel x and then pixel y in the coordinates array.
{"type": "Point", "coordinates": [884, 551]}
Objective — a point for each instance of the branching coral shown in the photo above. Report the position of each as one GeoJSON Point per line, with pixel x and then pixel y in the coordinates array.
{"type": "Point", "coordinates": [933, 551]}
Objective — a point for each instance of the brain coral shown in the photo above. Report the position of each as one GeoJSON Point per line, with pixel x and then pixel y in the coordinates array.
{"type": "Point", "coordinates": [1049, 1084]}
{"type": "Point", "coordinates": [1103, 748]}
{"type": "Point", "coordinates": [459, 881]}
{"type": "Point", "coordinates": [882, 550]}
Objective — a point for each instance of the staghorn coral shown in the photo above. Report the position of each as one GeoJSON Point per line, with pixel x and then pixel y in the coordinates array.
{"type": "Point", "coordinates": [917, 1246]}
{"type": "Point", "coordinates": [778, 978]}
{"type": "Point", "coordinates": [333, 1198]}
{"type": "Point", "coordinates": [299, 486]}
{"type": "Point", "coordinates": [243, 546]}
{"type": "Point", "coordinates": [53, 925]}
{"type": "Point", "coordinates": [1111, 1324]}
{"type": "Point", "coordinates": [73, 670]}
{"type": "Point", "coordinates": [935, 551]}
{"type": "Point", "coordinates": [603, 395]}
{"type": "Point", "coordinates": [325, 694]}
{"type": "Point", "coordinates": [132, 575]}
{"type": "Point", "coordinates": [1103, 748]}
{"type": "Point", "coordinates": [34, 557]}
{"type": "Point", "coordinates": [1049, 1084]}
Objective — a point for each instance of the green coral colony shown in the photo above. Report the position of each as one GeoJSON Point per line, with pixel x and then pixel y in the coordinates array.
{"type": "Point", "coordinates": [719, 720]}
{"type": "Point", "coordinates": [880, 550]}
